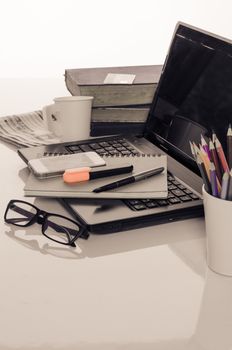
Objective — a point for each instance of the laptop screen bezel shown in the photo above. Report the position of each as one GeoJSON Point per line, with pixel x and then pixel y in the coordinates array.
{"type": "Point", "coordinates": [206, 37]}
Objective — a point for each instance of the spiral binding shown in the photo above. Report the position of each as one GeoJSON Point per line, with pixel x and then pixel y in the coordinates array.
{"type": "Point", "coordinates": [52, 154]}
{"type": "Point", "coordinates": [119, 155]}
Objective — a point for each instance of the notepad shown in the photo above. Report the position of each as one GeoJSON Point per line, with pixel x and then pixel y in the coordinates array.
{"type": "Point", "coordinates": [153, 187]}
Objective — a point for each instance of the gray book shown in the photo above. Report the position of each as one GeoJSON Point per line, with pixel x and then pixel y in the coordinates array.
{"type": "Point", "coordinates": [90, 82]}
{"type": "Point", "coordinates": [119, 114]}
{"type": "Point", "coordinates": [153, 187]}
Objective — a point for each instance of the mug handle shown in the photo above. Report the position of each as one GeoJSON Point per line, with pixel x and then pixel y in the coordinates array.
{"type": "Point", "coordinates": [51, 119]}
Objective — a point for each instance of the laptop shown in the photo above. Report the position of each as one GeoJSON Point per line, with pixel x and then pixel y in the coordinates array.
{"type": "Point", "coordinates": [193, 98]}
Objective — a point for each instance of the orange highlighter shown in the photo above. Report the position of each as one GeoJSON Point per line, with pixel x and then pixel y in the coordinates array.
{"type": "Point", "coordinates": [72, 176]}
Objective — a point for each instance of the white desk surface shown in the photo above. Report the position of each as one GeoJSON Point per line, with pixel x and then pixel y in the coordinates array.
{"type": "Point", "coordinates": [136, 290]}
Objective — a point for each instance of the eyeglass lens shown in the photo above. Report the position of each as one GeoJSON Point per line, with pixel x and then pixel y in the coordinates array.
{"type": "Point", "coordinates": [20, 213]}
{"type": "Point", "coordinates": [60, 229]}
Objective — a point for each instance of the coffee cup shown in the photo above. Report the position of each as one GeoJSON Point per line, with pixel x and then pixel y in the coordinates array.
{"type": "Point", "coordinates": [69, 117]}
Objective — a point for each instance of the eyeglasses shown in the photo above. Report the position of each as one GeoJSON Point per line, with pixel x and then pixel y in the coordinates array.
{"type": "Point", "coordinates": [56, 227]}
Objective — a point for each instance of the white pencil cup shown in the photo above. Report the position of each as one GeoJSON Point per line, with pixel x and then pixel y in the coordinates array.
{"type": "Point", "coordinates": [218, 224]}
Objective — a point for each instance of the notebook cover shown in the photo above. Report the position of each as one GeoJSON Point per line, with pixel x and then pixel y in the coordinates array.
{"type": "Point", "coordinates": [153, 187]}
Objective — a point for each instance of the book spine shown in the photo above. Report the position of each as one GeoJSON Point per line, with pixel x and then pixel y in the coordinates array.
{"type": "Point", "coordinates": [119, 114]}
{"type": "Point", "coordinates": [71, 85]}
{"type": "Point", "coordinates": [118, 95]}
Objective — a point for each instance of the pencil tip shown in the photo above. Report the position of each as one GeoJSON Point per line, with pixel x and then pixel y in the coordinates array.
{"type": "Point", "coordinates": [192, 148]}
{"type": "Point", "coordinates": [226, 175]}
{"type": "Point", "coordinates": [203, 142]}
{"type": "Point", "coordinates": [217, 142]}
{"type": "Point", "coordinates": [196, 148]}
{"type": "Point", "coordinates": [211, 166]}
{"type": "Point", "coordinates": [229, 131]}
{"type": "Point", "coordinates": [199, 160]}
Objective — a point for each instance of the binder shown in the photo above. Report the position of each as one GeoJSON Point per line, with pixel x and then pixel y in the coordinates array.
{"type": "Point", "coordinates": [153, 187]}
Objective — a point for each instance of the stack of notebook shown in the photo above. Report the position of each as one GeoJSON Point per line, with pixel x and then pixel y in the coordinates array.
{"type": "Point", "coordinates": [152, 187]}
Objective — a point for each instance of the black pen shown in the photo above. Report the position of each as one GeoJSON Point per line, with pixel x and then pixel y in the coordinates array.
{"type": "Point", "coordinates": [128, 180]}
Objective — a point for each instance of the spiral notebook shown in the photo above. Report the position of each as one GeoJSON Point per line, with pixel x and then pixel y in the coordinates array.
{"type": "Point", "coordinates": [153, 187]}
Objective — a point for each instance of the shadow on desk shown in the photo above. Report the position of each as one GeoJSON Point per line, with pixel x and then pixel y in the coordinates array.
{"type": "Point", "coordinates": [184, 238]}
{"type": "Point", "coordinates": [187, 245]}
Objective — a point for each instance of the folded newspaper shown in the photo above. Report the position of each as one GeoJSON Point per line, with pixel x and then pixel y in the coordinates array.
{"type": "Point", "coordinates": [24, 130]}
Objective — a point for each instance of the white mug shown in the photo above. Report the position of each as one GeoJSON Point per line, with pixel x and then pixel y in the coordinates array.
{"type": "Point", "coordinates": [69, 117]}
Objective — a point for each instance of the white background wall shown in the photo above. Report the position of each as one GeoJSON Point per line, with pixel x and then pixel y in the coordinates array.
{"type": "Point", "coordinates": [41, 38]}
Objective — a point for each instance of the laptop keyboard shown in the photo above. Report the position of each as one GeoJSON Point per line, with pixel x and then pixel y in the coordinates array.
{"type": "Point", "coordinates": [112, 147]}
{"type": "Point", "coordinates": [177, 192]}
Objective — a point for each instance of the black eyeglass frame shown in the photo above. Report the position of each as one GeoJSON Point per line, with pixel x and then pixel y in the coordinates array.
{"type": "Point", "coordinates": [41, 217]}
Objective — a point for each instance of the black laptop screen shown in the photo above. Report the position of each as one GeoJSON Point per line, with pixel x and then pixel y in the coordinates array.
{"type": "Point", "coordinates": [194, 95]}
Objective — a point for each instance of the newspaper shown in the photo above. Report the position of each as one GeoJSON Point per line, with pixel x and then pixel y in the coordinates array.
{"type": "Point", "coordinates": [24, 130]}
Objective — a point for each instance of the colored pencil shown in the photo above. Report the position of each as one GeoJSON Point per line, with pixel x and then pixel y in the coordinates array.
{"type": "Point", "coordinates": [192, 150]}
{"type": "Point", "coordinates": [205, 146]}
{"type": "Point", "coordinates": [196, 148]}
{"type": "Point", "coordinates": [229, 194]}
{"type": "Point", "coordinates": [221, 156]}
{"type": "Point", "coordinates": [213, 180]}
{"type": "Point", "coordinates": [225, 185]}
{"type": "Point", "coordinates": [229, 146]}
{"type": "Point", "coordinates": [214, 137]}
{"type": "Point", "coordinates": [205, 158]}
{"type": "Point", "coordinates": [204, 175]}
{"type": "Point", "coordinates": [214, 158]}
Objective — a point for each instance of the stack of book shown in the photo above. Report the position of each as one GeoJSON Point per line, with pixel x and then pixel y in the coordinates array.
{"type": "Point", "coordinates": [118, 105]}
